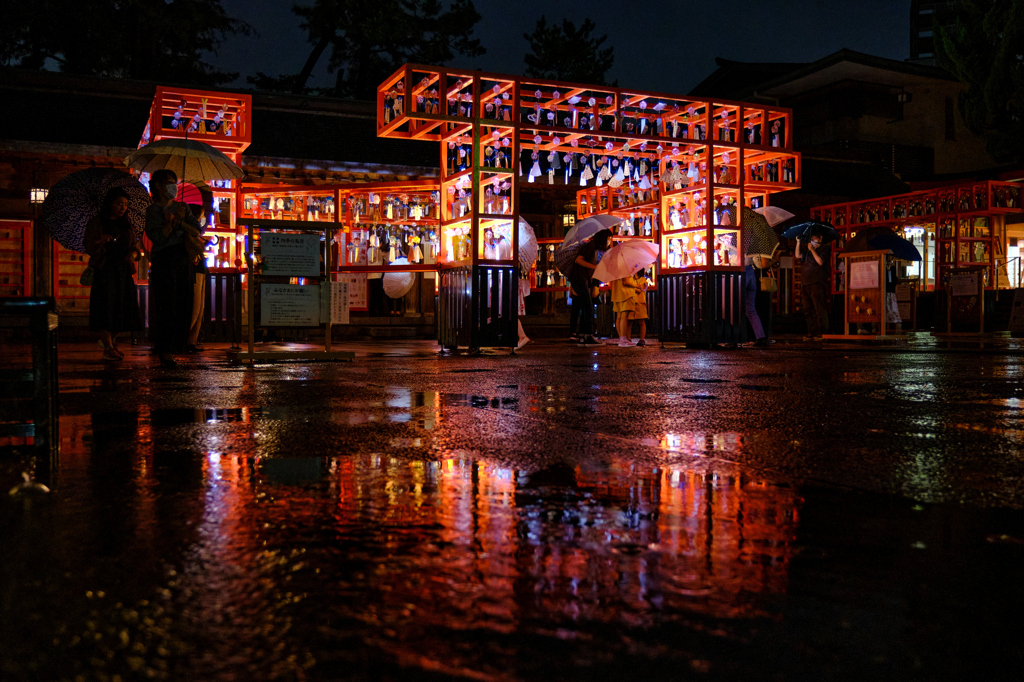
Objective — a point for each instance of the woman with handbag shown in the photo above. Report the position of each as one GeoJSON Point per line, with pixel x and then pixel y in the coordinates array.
{"type": "Point", "coordinates": [171, 279]}
{"type": "Point", "coordinates": [751, 285]}
{"type": "Point", "coordinates": [113, 250]}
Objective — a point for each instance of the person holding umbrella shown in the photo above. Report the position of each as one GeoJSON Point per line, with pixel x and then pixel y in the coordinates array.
{"type": "Point", "coordinates": [580, 276]}
{"type": "Point", "coordinates": [814, 283]}
{"type": "Point", "coordinates": [171, 278]}
{"type": "Point", "coordinates": [113, 249]}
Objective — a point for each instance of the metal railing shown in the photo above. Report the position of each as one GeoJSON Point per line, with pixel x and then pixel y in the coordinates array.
{"type": "Point", "coordinates": [29, 403]}
{"type": "Point", "coordinates": [1005, 268]}
{"type": "Point", "coordinates": [477, 307]}
{"type": "Point", "coordinates": [702, 308]}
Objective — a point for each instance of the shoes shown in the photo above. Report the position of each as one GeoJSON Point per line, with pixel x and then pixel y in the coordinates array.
{"type": "Point", "coordinates": [110, 353]}
{"type": "Point", "coordinates": [808, 338]}
{"type": "Point", "coordinates": [192, 349]}
{"type": "Point", "coordinates": [166, 360]}
{"type": "Point", "coordinates": [522, 342]}
{"type": "Point", "coordinates": [626, 343]}
{"type": "Point", "coordinates": [761, 342]}
{"type": "Point", "coordinates": [118, 351]}
{"type": "Point", "coordinates": [589, 340]}
{"type": "Point", "coordinates": [641, 343]}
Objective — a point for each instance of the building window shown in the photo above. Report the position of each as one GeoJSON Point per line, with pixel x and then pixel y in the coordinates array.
{"type": "Point", "coordinates": [925, 34]}
{"type": "Point", "coordinates": [950, 119]}
{"type": "Point", "coordinates": [924, 55]}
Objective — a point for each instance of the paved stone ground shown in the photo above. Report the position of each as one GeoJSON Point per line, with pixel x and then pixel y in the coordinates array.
{"type": "Point", "coordinates": [793, 513]}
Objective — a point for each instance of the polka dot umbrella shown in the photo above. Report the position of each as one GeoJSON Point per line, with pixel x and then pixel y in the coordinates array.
{"type": "Point", "coordinates": [758, 236]}
{"type": "Point", "coordinates": [75, 199]}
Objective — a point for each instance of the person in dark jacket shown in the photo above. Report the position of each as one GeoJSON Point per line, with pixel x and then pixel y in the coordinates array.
{"type": "Point", "coordinates": [171, 277]}
{"type": "Point", "coordinates": [814, 284]}
{"type": "Point", "coordinates": [580, 276]}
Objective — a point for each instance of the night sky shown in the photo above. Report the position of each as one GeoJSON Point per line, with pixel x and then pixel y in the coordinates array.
{"type": "Point", "coordinates": [660, 45]}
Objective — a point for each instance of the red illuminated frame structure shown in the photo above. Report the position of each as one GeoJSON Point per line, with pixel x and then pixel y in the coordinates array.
{"type": "Point", "coordinates": [497, 130]}
{"type": "Point", "coordinates": [222, 120]}
{"type": "Point", "coordinates": [956, 226]}
{"type": "Point", "coordinates": [748, 147]}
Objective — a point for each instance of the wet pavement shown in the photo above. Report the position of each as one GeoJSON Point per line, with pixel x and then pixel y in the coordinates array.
{"type": "Point", "coordinates": [564, 513]}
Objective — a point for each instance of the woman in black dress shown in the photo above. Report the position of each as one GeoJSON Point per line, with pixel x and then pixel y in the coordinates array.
{"type": "Point", "coordinates": [114, 250]}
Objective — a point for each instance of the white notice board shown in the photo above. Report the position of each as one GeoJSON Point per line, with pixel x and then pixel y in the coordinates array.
{"type": "Point", "coordinates": [335, 310]}
{"type": "Point", "coordinates": [358, 296]}
{"type": "Point", "coordinates": [864, 275]}
{"type": "Point", "coordinates": [963, 284]}
{"type": "Point", "coordinates": [290, 254]}
{"type": "Point", "coordinates": [289, 305]}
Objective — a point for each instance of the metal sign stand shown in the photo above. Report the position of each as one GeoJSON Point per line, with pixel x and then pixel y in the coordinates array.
{"type": "Point", "coordinates": [252, 355]}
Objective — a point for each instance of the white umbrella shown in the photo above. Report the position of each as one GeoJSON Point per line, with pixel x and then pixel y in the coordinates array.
{"type": "Point", "coordinates": [398, 284]}
{"type": "Point", "coordinates": [528, 248]}
{"type": "Point", "coordinates": [773, 214]}
{"type": "Point", "coordinates": [626, 259]}
{"type": "Point", "coordinates": [189, 159]}
{"type": "Point", "coordinates": [588, 227]}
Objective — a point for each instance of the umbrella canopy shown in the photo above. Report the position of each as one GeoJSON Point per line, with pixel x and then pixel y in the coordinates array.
{"type": "Point", "coordinates": [758, 236]}
{"type": "Point", "coordinates": [812, 227]}
{"type": "Point", "coordinates": [189, 159]}
{"type": "Point", "coordinates": [565, 256]}
{"type": "Point", "coordinates": [626, 259]}
{"type": "Point", "coordinates": [528, 248]}
{"type": "Point", "coordinates": [588, 227]}
{"type": "Point", "coordinates": [398, 284]}
{"type": "Point", "coordinates": [190, 193]}
{"type": "Point", "coordinates": [883, 239]}
{"type": "Point", "coordinates": [774, 215]}
{"type": "Point", "coordinates": [77, 198]}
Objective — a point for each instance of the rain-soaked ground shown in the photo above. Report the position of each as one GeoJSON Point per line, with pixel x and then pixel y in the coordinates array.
{"type": "Point", "coordinates": [790, 514]}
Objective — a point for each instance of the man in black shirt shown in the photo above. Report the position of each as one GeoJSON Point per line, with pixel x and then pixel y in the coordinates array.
{"type": "Point", "coordinates": [580, 275]}
{"type": "Point", "coordinates": [814, 284]}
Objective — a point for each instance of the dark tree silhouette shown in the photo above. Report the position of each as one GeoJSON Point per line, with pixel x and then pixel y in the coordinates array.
{"type": "Point", "coordinates": [567, 53]}
{"type": "Point", "coordinates": [141, 39]}
{"type": "Point", "coordinates": [369, 39]}
{"type": "Point", "coordinates": [981, 42]}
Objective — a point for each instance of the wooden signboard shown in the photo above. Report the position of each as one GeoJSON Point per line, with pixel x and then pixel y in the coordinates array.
{"type": "Point", "coordinates": [863, 293]}
{"type": "Point", "coordinates": [965, 309]}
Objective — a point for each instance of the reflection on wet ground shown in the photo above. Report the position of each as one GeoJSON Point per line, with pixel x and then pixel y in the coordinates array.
{"type": "Point", "coordinates": [663, 516]}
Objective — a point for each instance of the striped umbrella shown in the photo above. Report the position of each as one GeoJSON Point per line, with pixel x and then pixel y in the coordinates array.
{"type": "Point", "coordinates": [189, 159]}
{"type": "Point", "coordinates": [75, 199]}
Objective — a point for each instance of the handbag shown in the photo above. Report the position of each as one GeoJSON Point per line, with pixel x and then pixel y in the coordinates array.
{"type": "Point", "coordinates": [769, 283]}
{"type": "Point", "coordinates": [87, 276]}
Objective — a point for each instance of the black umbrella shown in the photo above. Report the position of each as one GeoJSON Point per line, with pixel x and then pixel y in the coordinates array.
{"type": "Point", "coordinates": [78, 197]}
{"type": "Point", "coordinates": [883, 239]}
{"type": "Point", "coordinates": [812, 227]}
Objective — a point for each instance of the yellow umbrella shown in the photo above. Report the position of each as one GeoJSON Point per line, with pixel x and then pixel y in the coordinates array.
{"type": "Point", "coordinates": [189, 159]}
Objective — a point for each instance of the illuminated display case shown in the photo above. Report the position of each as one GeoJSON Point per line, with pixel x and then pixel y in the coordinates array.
{"type": "Point", "coordinates": [952, 227]}
{"type": "Point", "coordinates": [387, 222]}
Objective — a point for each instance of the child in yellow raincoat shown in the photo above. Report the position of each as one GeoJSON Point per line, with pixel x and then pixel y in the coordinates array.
{"type": "Point", "coordinates": [629, 302]}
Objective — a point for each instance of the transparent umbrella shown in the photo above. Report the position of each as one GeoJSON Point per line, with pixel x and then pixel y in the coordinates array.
{"type": "Point", "coordinates": [625, 259]}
